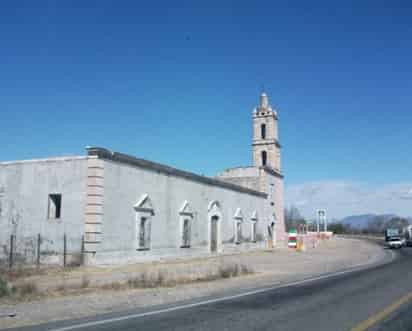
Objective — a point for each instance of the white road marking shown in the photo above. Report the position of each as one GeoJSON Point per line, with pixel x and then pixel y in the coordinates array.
{"type": "Point", "coordinates": [354, 268]}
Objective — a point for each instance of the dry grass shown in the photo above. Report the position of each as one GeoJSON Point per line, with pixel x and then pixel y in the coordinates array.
{"type": "Point", "coordinates": [4, 288]}
{"type": "Point", "coordinates": [21, 272]}
{"type": "Point", "coordinates": [27, 289]}
{"type": "Point", "coordinates": [162, 279]}
{"type": "Point", "coordinates": [64, 287]}
{"type": "Point", "coordinates": [145, 280]}
{"type": "Point", "coordinates": [23, 290]}
{"type": "Point", "coordinates": [228, 271]}
{"type": "Point", "coordinates": [234, 270]}
{"type": "Point", "coordinates": [85, 282]}
{"type": "Point", "coordinates": [113, 286]}
{"type": "Point", "coordinates": [61, 288]}
{"type": "Point", "coordinates": [245, 270]}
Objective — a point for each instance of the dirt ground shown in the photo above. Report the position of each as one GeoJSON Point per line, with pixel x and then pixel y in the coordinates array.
{"type": "Point", "coordinates": [83, 294]}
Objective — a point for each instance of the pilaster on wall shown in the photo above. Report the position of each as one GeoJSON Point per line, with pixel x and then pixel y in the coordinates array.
{"type": "Point", "coordinates": [94, 208]}
{"type": "Point", "coordinates": [281, 229]}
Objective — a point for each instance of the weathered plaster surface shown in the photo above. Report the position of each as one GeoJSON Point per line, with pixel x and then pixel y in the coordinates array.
{"type": "Point", "coordinates": [126, 184]}
{"type": "Point", "coordinates": [24, 190]}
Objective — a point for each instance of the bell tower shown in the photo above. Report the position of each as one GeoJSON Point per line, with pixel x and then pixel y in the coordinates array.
{"type": "Point", "coordinates": [266, 147]}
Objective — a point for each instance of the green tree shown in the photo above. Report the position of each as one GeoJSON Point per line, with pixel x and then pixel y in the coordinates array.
{"type": "Point", "coordinates": [293, 218]}
{"type": "Point", "coordinates": [340, 228]}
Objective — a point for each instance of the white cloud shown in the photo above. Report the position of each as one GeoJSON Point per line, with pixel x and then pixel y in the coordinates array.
{"type": "Point", "coordinates": [342, 198]}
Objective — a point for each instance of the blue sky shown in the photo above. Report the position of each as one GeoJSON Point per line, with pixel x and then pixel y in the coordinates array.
{"type": "Point", "coordinates": [175, 82]}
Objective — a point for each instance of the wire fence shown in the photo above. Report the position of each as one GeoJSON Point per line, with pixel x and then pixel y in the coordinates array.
{"type": "Point", "coordinates": [40, 250]}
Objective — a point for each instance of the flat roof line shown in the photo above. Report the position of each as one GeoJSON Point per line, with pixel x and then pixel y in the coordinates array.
{"type": "Point", "coordinates": [51, 159]}
{"type": "Point", "coordinates": [141, 163]}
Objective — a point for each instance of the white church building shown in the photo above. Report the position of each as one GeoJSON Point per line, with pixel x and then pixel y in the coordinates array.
{"type": "Point", "coordinates": [117, 208]}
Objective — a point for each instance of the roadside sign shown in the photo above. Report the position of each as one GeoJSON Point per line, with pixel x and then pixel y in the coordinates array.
{"type": "Point", "coordinates": [292, 238]}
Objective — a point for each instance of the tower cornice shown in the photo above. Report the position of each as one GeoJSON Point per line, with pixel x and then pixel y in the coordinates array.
{"type": "Point", "coordinates": [273, 172]}
{"type": "Point", "coordinates": [258, 113]}
{"type": "Point", "coordinates": [257, 142]}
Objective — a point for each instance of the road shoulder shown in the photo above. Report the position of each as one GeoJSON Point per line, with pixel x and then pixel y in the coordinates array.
{"type": "Point", "coordinates": [277, 268]}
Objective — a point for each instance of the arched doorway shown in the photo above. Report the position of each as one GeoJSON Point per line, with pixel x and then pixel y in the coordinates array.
{"type": "Point", "coordinates": [214, 223]}
{"type": "Point", "coordinates": [271, 235]}
{"type": "Point", "coordinates": [215, 217]}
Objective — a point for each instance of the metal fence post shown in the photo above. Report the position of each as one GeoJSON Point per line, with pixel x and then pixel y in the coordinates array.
{"type": "Point", "coordinates": [64, 250]}
{"type": "Point", "coordinates": [11, 251]}
{"type": "Point", "coordinates": [38, 250]}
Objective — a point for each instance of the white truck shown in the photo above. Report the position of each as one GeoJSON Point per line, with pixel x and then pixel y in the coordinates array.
{"type": "Point", "coordinates": [408, 235]}
{"type": "Point", "coordinates": [394, 242]}
{"type": "Point", "coordinates": [391, 232]}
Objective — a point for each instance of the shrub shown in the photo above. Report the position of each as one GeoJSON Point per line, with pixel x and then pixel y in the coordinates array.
{"type": "Point", "coordinates": [61, 288]}
{"type": "Point", "coordinates": [244, 270]}
{"type": "Point", "coordinates": [228, 271]}
{"type": "Point", "coordinates": [233, 270]}
{"type": "Point", "coordinates": [112, 286]}
{"type": "Point", "coordinates": [4, 288]}
{"type": "Point", "coordinates": [85, 282]}
{"type": "Point", "coordinates": [28, 288]}
{"type": "Point", "coordinates": [150, 281]}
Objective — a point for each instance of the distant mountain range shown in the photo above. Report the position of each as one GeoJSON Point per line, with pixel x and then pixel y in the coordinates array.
{"type": "Point", "coordinates": [361, 221]}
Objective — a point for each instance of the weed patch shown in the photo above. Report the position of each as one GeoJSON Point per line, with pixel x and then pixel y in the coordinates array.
{"type": "Point", "coordinates": [233, 270]}
{"type": "Point", "coordinates": [4, 288]}
{"type": "Point", "coordinates": [146, 280]}
{"type": "Point", "coordinates": [85, 282]}
{"type": "Point", "coordinates": [112, 286]}
{"type": "Point", "coordinates": [27, 289]}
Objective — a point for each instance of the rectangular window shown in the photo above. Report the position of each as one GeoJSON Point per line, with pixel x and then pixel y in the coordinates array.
{"type": "Point", "coordinates": [238, 232]}
{"type": "Point", "coordinates": [186, 234]}
{"type": "Point", "coordinates": [263, 131]}
{"type": "Point", "coordinates": [144, 234]}
{"type": "Point", "coordinates": [253, 232]}
{"type": "Point", "coordinates": [55, 206]}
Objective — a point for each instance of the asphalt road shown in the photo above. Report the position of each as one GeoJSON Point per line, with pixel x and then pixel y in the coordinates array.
{"type": "Point", "coordinates": [372, 299]}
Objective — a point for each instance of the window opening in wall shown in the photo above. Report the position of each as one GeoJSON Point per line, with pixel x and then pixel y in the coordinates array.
{"type": "Point", "coordinates": [264, 158]}
{"type": "Point", "coordinates": [263, 131]}
{"type": "Point", "coordinates": [144, 233]}
{"type": "Point", "coordinates": [186, 234]}
{"type": "Point", "coordinates": [253, 237]}
{"type": "Point", "coordinates": [238, 232]}
{"type": "Point", "coordinates": [213, 233]}
{"type": "Point", "coordinates": [55, 206]}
